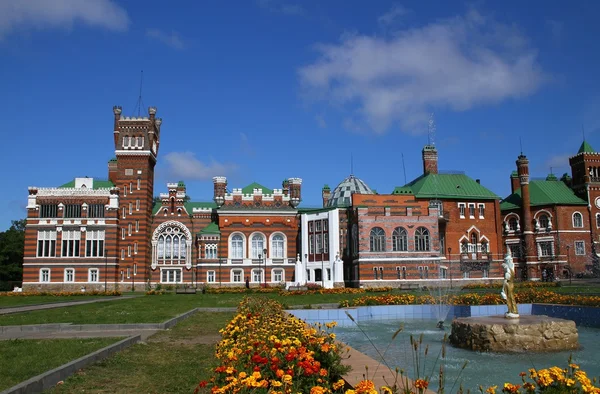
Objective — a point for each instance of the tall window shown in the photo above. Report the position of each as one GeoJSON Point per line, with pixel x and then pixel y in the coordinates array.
{"type": "Point", "coordinates": [577, 220]}
{"type": "Point", "coordinates": [515, 250]}
{"type": "Point", "coordinates": [137, 225]}
{"type": "Point", "coordinates": [543, 221]}
{"type": "Point", "coordinates": [319, 242]}
{"type": "Point", "coordinates": [481, 210]}
{"type": "Point", "coordinates": [512, 224]}
{"type": "Point", "coordinates": [129, 227]}
{"type": "Point", "coordinates": [49, 210]}
{"type": "Point", "coordinates": [170, 276]}
{"type": "Point", "coordinates": [580, 248]}
{"type": "Point", "coordinates": [94, 243]}
{"type": "Point", "coordinates": [96, 211]}
{"type": "Point", "coordinates": [70, 243]}
{"type": "Point", "coordinates": [461, 210]}
{"type": "Point", "coordinates": [258, 244]}
{"type": "Point", "coordinates": [473, 244]}
{"type": "Point", "coordinates": [399, 240]}
{"type": "Point", "coordinates": [237, 247]}
{"type": "Point", "coordinates": [210, 251]}
{"type": "Point", "coordinates": [210, 276]}
{"type": "Point", "coordinates": [46, 246]}
{"type": "Point", "coordinates": [72, 211]}
{"type": "Point", "coordinates": [377, 240]}
{"type": "Point", "coordinates": [546, 248]}
{"type": "Point", "coordinates": [257, 275]}
{"type": "Point", "coordinates": [69, 275]}
{"type": "Point", "coordinates": [471, 211]}
{"type": "Point", "coordinates": [45, 275]}
{"type": "Point", "coordinates": [598, 220]}
{"type": "Point", "coordinates": [93, 275]}
{"type": "Point", "coordinates": [422, 239]}
{"type": "Point", "coordinates": [172, 244]}
{"type": "Point", "coordinates": [277, 247]}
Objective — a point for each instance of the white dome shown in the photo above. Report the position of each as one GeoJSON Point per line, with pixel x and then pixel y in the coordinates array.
{"type": "Point", "coordinates": [342, 194]}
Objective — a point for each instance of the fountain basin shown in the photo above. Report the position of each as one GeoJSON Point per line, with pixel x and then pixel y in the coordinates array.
{"type": "Point", "coordinates": [529, 333]}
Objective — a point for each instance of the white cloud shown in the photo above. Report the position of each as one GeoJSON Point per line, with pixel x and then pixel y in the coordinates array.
{"type": "Point", "coordinates": [245, 145]}
{"type": "Point", "coordinates": [392, 15]}
{"type": "Point", "coordinates": [457, 63]}
{"type": "Point", "coordinates": [185, 165]}
{"type": "Point", "coordinates": [559, 161]}
{"type": "Point", "coordinates": [44, 14]}
{"type": "Point", "coordinates": [171, 39]}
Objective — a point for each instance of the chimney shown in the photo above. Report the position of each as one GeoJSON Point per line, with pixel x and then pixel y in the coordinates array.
{"type": "Point", "coordinates": [112, 170]}
{"type": "Point", "coordinates": [220, 189]}
{"type": "Point", "coordinates": [325, 193]}
{"type": "Point", "coordinates": [515, 184]}
{"type": "Point", "coordinates": [295, 194]}
{"type": "Point", "coordinates": [478, 181]}
{"type": "Point", "coordinates": [430, 160]}
{"type": "Point", "coordinates": [285, 185]}
{"type": "Point", "coordinates": [117, 111]}
{"type": "Point", "coordinates": [526, 222]}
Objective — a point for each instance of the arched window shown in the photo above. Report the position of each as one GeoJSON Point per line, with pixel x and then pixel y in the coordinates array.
{"type": "Point", "coordinates": [399, 240]}
{"type": "Point", "coordinates": [258, 244]}
{"type": "Point", "coordinates": [473, 238]}
{"type": "Point", "coordinates": [237, 246]}
{"type": "Point", "coordinates": [512, 224]}
{"type": "Point", "coordinates": [377, 240]}
{"type": "Point", "coordinates": [422, 239]}
{"type": "Point", "coordinates": [577, 220]}
{"type": "Point", "coordinates": [277, 246]}
{"type": "Point", "coordinates": [172, 245]}
{"type": "Point", "coordinates": [543, 221]}
{"type": "Point", "coordinates": [598, 220]}
{"type": "Point", "coordinates": [464, 246]}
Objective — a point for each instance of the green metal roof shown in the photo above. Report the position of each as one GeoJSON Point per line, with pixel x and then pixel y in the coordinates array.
{"type": "Point", "coordinates": [212, 228]}
{"type": "Point", "coordinates": [543, 192]}
{"type": "Point", "coordinates": [180, 184]}
{"type": "Point", "coordinates": [250, 188]}
{"type": "Point", "coordinates": [448, 186]}
{"type": "Point", "coordinates": [514, 174]}
{"type": "Point", "coordinates": [586, 148]}
{"type": "Point", "coordinates": [98, 184]}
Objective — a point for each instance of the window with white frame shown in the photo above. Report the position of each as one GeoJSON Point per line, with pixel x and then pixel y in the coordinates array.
{"type": "Point", "coordinates": [513, 224]}
{"type": "Point", "coordinates": [139, 183]}
{"type": "Point", "coordinates": [485, 272]}
{"type": "Point", "coordinates": [237, 276]}
{"type": "Point", "coordinates": [257, 275]}
{"type": "Point", "coordinates": [278, 275]}
{"type": "Point", "coordinates": [69, 275]}
{"type": "Point", "coordinates": [124, 190]}
{"type": "Point", "coordinates": [471, 211]}
{"type": "Point", "coordinates": [123, 232]}
{"type": "Point", "coordinates": [45, 275]}
{"type": "Point", "coordinates": [137, 204]}
{"type": "Point", "coordinates": [400, 240]}
{"type": "Point", "coordinates": [237, 247]}
{"type": "Point", "coordinates": [137, 226]}
{"type": "Point", "coordinates": [172, 245]}
{"type": "Point", "coordinates": [131, 187]}
{"type": "Point", "coordinates": [129, 228]}
{"type": "Point", "coordinates": [277, 246]}
{"type": "Point", "coordinates": [135, 248]}
{"type": "Point", "coordinates": [481, 209]}
{"type": "Point", "coordinates": [128, 250]}
{"type": "Point", "coordinates": [443, 273]}
{"type": "Point", "coordinates": [420, 269]}
{"type": "Point", "coordinates": [130, 208]}
{"type": "Point", "coordinates": [70, 243]}
{"type": "Point", "coordinates": [580, 248]}
{"type": "Point", "coordinates": [485, 248]}
{"type": "Point", "coordinates": [426, 269]}
{"type": "Point", "coordinates": [466, 275]}
{"type": "Point", "coordinates": [577, 220]}
{"type": "Point", "coordinates": [258, 245]}
{"type": "Point", "coordinates": [461, 209]}
{"type": "Point", "coordinates": [210, 251]}
{"type": "Point", "coordinates": [543, 221]}
{"type": "Point", "coordinates": [124, 213]}
{"type": "Point", "coordinates": [380, 272]}
{"type": "Point", "coordinates": [546, 248]}
{"type": "Point", "coordinates": [170, 276]}
{"type": "Point", "coordinates": [598, 220]}
{"type": "Point", "coordinates": [211, 276]}
{"type": "Point", "coordinates": [128, 272]}
{"type": "Point", "coordinates": [311, 244]}
{"type": "Point", "coordinates": [398, 273]}
{"type": "Point", "coordinates": [319, 243]}
{"type": "Point", "coordinates": [46, 244]}
{"type": "Point", "coordinates": [325, 242]}
{"type": "Point", "coordinates": [93, 275]}
{"type": "Point", "coordinates": [94, 243]}
{"type": "Point", "coordinates": [122, 254]}
{"type": "Point", "coordinates": [422, 243]}
{"type": "Point", "coordinates": [122, 276]}
{"type": "Point", "coordinates": [515, 250]}
{"type": "Point", "coordinates": [377, 240]}
{"type": "Point", "coordinates": [375, 273]}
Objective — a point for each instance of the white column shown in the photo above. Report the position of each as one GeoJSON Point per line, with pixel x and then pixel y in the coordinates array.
{"type": "Point", "coordinates": [299, 270]}
{"type": "Point", "coordinates": [153, 262]}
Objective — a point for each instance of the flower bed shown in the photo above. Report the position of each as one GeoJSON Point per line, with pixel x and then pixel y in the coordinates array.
{"type": "Point", "coordinates": [524, 296]}
{"type": "Point", "coordinates": [498, 285]}
{"type": "Point", "coordinates": [59, 294]}
{"type": "Point", "coordinates": [265, 350]}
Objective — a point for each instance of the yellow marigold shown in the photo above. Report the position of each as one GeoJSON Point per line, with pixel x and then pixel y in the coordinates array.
{"type": "Point", "coordinates": [350, 392]}
{"type": "Point", "coordinates": [530, 387]}
{"type": "Point", "coordinates": [287, 379]}
{"type": "Point", "coordinates": [339, 384]}
{"type": "Point", "coordinates": [317, 390]}
{"type": "Point", "coordinates": [491, 390]}
{"type": "Point", "coordinates": [276, 383]}
{"type": "Point", "coordinates": [386, 390]}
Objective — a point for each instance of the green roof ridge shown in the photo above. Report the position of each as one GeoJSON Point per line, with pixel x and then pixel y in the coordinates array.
{"type": "Point", "coordinates": [543, 192]}
{"type": "Point", "coordinates": [98, 184]}
{"type": "Point", "coordinates": [447, 186]}
{"type": "Point", "coordinates": [586, 148]}
{"type": "Point", "coordinates": [250, 188]}
{"type": "Point", "coordinates": [212, 228]}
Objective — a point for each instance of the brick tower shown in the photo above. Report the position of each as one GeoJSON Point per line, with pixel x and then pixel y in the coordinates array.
{"type": "Point", "coordinates": [529, 254]}
{"type": "Point", "coordinates": [136, 142]}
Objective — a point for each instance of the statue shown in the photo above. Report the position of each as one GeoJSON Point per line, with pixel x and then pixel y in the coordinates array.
{"type": "Point", "coordinates": [507, 287]}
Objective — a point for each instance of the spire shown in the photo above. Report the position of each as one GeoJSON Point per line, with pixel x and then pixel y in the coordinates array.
{"type": "Point", "coordinates": [585, 148]}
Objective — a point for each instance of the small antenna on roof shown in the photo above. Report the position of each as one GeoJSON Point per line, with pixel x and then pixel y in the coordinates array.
{"type": "Point", "coordinates": [404, 168]}
{"type": "Point", "coordinates": [521, 145]}
{"type": "Point", "coordinates": [140, 103]}
{"type": "Point", "coordinates": [551, 171]}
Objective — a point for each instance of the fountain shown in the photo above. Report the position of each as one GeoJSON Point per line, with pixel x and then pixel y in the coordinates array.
{"type": "Point", "coordinates": [512, 332]}
{"type": "Point", "coordinates": [440, 292]}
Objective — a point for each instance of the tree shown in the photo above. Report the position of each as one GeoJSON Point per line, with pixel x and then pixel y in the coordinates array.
{"type": "Point", "coordinates": [12, 243]}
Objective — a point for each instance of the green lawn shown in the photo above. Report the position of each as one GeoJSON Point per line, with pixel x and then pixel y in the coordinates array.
{"type": "Point", "coordinates": [172, 361]}
{"type": "Point", "coordinates": [21, 359]}
{"type": "Point", "coordinates": [152, 309]}
{"type": "Point", "coordinates": [12, 301]}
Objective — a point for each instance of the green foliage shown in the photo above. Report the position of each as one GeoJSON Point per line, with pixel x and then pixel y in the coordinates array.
{"type": "Point", "coordinates": [12, 242]}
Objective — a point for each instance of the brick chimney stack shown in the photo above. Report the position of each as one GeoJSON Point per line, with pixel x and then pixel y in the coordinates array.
{"type": "Point", "coordinates": [325, 193]}
{"type": "Point", "coordinates": [220, 189]}
{"type": "Point", "coordinates": [430, 160]}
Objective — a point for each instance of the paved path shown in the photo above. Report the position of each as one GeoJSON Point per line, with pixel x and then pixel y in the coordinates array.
{"type": "Point", "coordinates": [29, 308]}
{"type": "Point", "coordinates": [77, 334]}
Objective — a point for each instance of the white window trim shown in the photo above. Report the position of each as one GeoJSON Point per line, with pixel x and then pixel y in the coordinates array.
{"type": "Point", "coordinates": [252, 275]}
{"type": "Point", "coordinates": [231, 275]}
{"type": "Point", "coordinates": [214, 276]}
{"type": "Point", "coordinates": [230, 247]}
{"type": "Point", "coordinates": [539, 248]}
{"type": "Point", "coordinates": [49, 275]}
{"type": "Point", "coordinates": [597, 216]}
{"type": "Point", "coordinates": [471, 204]}
{"type": "Point", "coordinates": [463, 205]}
{"type": "Point", "coordinates": [282, 275]}
{"type": "Point", "coordinates": [272, 249]}
{"type": "Point", "coordinates": [65, 275]}
{"type": "Point", "coordinates": [573, 219]}
{"type": "Point", "coordinates": [171, 269]}
{"type": "Point", "coordinates": [479, 211]}
{"type": "Point", "coordinates": [249, 244]}
{"type": "Point", "coordinates": [575, 247]}
{"type": "Point", "coordinates": [90, 270]}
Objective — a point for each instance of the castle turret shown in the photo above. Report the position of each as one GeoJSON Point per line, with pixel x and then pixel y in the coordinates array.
{"type": "Point", "coordinates": [295, 192]}
{"type": "Point", "coordinates": [326, 194]}
{"type": "Point", "coordinates": [220, 189]}
{"type": "Point", "coordinates": [527, 223]}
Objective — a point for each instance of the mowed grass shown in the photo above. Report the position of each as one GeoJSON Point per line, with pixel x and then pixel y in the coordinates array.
{"type": "Point", "coordinates": [15, 301]}
{"type": "Point", "coordinates": [172, 361]}
{"type": "Point", "coordinates": [22, 359]}
{"type": "Point", "coordinates": [153, 309]}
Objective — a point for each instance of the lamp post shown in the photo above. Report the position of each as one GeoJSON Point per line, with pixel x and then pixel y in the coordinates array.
{"type": "Point", "coordinates": [105, 269]}
{"type": "Point", "coordinates": [306, 268]}
{"type": "Point", "coordinates": [569, 264]}
{"type": "Point", "coordinates": [265, 271]}
{"type": "Point", "coordinates": [133, 274]}
{"type": "Point", "coordinates": [322, 270]}
{"type": "Point", "coordinates": [450, 261]}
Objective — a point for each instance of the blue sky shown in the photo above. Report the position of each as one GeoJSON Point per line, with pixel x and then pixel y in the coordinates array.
{"type": "Point", "coordinates": [265, 90]}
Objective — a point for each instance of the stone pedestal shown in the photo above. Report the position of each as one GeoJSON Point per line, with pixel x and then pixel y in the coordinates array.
{"type": "Point", "coordinates": [524, 334]}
